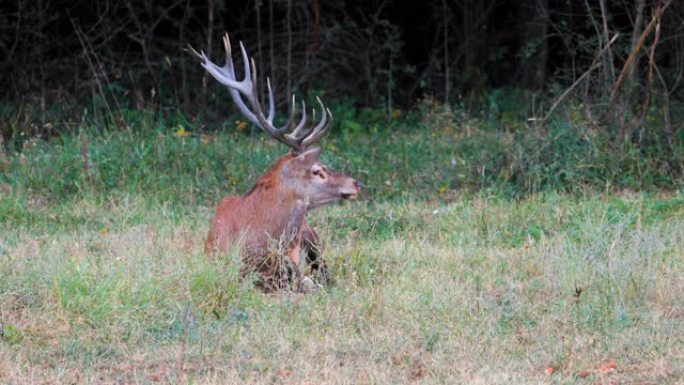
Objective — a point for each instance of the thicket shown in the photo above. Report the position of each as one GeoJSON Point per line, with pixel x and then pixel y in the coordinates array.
{"type": "Point", "coordinates": [517, 96]}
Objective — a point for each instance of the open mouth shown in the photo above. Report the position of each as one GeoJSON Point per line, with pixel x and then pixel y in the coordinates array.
{"type": "Point", "coordinates": [352, 193]}
{"type": "Point", "coordinates": [349, 196]}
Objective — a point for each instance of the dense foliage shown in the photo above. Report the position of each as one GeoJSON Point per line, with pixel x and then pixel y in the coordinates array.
{"type": "Point", "coordinates": [526, 95]}
{"type": "Point", "coordinates": [430, 153]}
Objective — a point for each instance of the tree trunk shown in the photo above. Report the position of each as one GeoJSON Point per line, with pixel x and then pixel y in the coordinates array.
{"type": "Point", "coordinates": [610, 63]}
{"type": "Point", "coordinates": [534, 55]}
{"type": "Point", "coordinates": [271, 43]}
{"type": "Point", "coordinates": [288, 23]}
{"type": "Point", "coordinates": [260, 58]}
{"type": "Point", "coordinates": [445, 22]}
{"type": "Point", "coordinates": [636, 32]}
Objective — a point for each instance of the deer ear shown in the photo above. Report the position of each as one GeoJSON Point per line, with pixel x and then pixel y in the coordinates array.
{"type": "Point", "coordinates": [308, 157]}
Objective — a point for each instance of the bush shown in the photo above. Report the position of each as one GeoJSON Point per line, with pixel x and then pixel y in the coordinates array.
{"type": "Point", "coordinates": [429, 152]}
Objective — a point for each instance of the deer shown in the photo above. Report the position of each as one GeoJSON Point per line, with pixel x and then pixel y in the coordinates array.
{"type": "Point", "coordinates": [269, 223]}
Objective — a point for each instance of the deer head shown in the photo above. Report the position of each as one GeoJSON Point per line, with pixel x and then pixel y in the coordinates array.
{"type": "Point", "coordinates": [301, 174]}
{"type": "Point", "coordinates": [308, 179]}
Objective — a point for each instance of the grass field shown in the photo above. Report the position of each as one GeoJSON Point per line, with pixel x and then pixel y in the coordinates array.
{"type": "Point", "coordinates": [103, 278]}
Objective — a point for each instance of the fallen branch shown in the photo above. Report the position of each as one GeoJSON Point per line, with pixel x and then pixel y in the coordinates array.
{"type": "Point", "coordinates": [592, 67]}
{"type": "Point", "coordinates": [632, 56]}
{"type": "Point", "coordinates": [651, 66]}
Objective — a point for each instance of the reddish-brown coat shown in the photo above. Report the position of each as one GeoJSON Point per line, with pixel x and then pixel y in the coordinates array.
{"type": "Point", "coordinates": [269, 222]}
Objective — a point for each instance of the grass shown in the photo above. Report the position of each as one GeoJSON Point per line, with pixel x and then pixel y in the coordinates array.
{"type": "Point", "coordinates": [478, 290]}
{"type": "Point", "coordinates": [103, 278]}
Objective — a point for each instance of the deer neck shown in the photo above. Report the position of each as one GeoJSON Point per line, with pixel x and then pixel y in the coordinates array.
{"type": "Point", "coordinates": [283, 214]}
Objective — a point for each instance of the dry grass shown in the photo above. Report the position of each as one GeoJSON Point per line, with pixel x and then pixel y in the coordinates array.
{"type": "Point", "coordinates": [478, 291]}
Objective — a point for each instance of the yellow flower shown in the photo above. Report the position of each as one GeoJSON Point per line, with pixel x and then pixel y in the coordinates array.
{"type": "Point", "coordinates": [181, 132]}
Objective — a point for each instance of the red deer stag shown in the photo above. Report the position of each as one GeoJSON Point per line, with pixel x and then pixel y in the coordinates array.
{"type": "Point", "coordinates": [269, 222]}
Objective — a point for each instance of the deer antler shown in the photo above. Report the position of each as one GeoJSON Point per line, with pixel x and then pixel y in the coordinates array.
{"type": "Point", "coordinates": [299, 138]}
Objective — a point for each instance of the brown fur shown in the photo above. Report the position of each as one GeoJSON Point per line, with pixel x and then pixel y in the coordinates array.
{"type": "Point", "coordinates": [269, 222]}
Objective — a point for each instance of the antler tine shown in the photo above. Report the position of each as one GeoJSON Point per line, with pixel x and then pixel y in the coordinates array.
{"type": "Point", "coordinates": [299, 138]}
{"type": "Point", "coordinates": [227, 47]}
{"type": "Point", "coordinates": [264, 122]}
{"type": "Point", "coordinates": [296, 134]}
{"type": "Point", "coordinates": [226, 75]}
{"type": "Point", "coordinates": [248, 72]}
{"type": "Point", "coordinates": [321, 128]}
{"type": "Point", "coordinates": [271, 100]}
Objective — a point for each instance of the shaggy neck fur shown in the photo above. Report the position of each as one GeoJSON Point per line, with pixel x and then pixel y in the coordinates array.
{"type": "Point", "coordinates": [268, 199]}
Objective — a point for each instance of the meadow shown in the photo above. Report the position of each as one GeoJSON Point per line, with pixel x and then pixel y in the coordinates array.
{"type": "Point", "coordinates": [472, 257]}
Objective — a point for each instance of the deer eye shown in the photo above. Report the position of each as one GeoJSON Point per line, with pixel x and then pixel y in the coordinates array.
{"type": "Point", "coordinates": [317, 172]}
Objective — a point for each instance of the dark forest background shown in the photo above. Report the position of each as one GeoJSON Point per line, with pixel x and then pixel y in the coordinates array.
{"type": "Point", "coordinates": [605, 72]}
{"type": "Point", "coordinates": [391, 53]}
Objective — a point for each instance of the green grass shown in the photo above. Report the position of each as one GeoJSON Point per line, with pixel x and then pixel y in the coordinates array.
{"type": "Point", "coordinates": [443, 272]}
{"type": "Point", "coordinates": [429, 152]}
{"type": "Point", "coordinates": [478, 290]}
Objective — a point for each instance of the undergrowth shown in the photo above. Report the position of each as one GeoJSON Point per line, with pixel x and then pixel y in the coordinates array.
{"type": "Point", "coordinates": [428, 152]}
{"type": "Point", "coordinates": [477, 254]}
